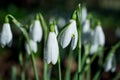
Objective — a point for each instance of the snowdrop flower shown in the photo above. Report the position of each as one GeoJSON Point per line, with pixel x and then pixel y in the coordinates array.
{"type": "Point", "coordinates": [84, 14]}
{"type": "Point", "coordinates": [86, 32]}
{"type": "Point", "coordinates": [98, 39]}
{"type": "Point", "coordinates": [51, 50]}
{"type": "Point", "coordinates": [69, 34]}
{"type": "Point", "coordinates": [36, 31]}
{"type": "Point", "coordinates": [61, 22]}
{"type": "Point", "coordinates": [6, 35]}
{"type": "Point", "coordinates": [86, 26]}
{"type": "Point", "coordinates": [110, 65]}
{"type": "Point", "coordinates": [99, 35]}
{"type": "Point", "coordinates": [93, 48]}
{"type": "Point", "coordinates": [33, 46]}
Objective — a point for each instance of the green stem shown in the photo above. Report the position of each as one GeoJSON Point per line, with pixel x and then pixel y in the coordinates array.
{"type": "Point", "coordinates": [88, 73]}
{"type": "Point", "coordinates": [27, 66]}
{"type": "Point", "coordinates": [34, 67]}
{"type": "Point", "coordinates": [59, 68]}
{"type": "Point", "coordinates": [21, 67]}
{"type": "Point", "coordinates": [78, 21]}
{"type": "Point", "coordinates": [45, 71]}
{"type": "Point", "coordinates": [70, 59]}
{"type": "Point", "coordinates": [85, 55]}
{"type": "Point", "coordinates": [14, 73]}
{"type": "Point", "coordinates": [45, 30]}
{"type": "Point", "coordinates": [96, 77]}
{"type": "Point", "coordinates": [79, 64]}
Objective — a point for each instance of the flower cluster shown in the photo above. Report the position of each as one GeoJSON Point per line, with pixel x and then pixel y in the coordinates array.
{"type": "Point", "coordinates": [78, 33]}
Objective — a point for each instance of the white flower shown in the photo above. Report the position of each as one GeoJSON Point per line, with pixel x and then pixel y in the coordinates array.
{"type": "Point", "coordinates": [93, 48]}
{"type": "Point", "coordinates": [86, 32]}
{"type": "Point", "coordinates": [36, 31]}
{"type": "Point", "coordinates": [33, 46]}
{"type": "Point", "coordinates": [70, 33]}
{"type": "Point", "coordinates": [61, 22]}
{"type": "Point", "coordinates": [51, 49]}
{"type": "Point", "coordinates": [6, 35]}
{"type": "Point", "coordinates": [86, 26]}
{"type": "Point", "coordinates": [98, 39]}
{"type": "Point", "coordinates": [110, 65]}
{"type": "Point", "coordinates": [84, 14]}
{"type": "Point", "coordinates": [99, 35]}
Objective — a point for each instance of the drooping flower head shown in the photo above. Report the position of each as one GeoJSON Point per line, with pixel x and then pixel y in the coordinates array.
{"type": "Point", "coordinates": [86, 32]}
{"type": "Point", "coordinates": [6, 34]}
{"type": "Point", "coordinates": [69, 34]}
{"type": "Point", "coordinates": [36, 31]}
{"type": "Point", "coordinates": [33, 46]}
{"type": "Point", "coordinates": [110, 65]}
{"type": "Point", "coordinates": [99, 35]}
{"type": "Point", "coordinates": [98, 39]}
{"type": "Point", "coordinates": [51, 50]}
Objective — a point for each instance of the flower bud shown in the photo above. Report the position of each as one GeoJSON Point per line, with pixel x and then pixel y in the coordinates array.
{"type": "Point", "coordinates": [33, 46]}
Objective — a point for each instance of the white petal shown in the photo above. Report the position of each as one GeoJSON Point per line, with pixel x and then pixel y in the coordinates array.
{"type": "Point", "coordinates": [6, 35]}
{"type": "Point", "coordinates": [66, 35]}
{"type": "Point", "coordinates": [75, 37]}
{"type": "Point", "coordinates": [84, 14]}
{"type": "Point", "coordinates": [51, 49]}
{"type": "Point", "coordinates": [33, 47]}
{"type": "Point", "coordinates": [36, 31]}
{"type": "Point", "coordinates": [55, 49]}
{"type": "Point", "coordinates": [86, 26]}
{"type": "Point", "coordinates": [113, 64]}
{"type": "Point", "coordinates": [48, 50]}
{"type": "Point", "coordinates": [100, 37]}
{"type": "Point", "coordinates": [108, 65]}
{"type": "Point", "coordinates": [93, 48]}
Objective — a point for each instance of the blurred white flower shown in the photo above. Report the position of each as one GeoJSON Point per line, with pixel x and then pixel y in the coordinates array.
{"type": "Point", "coordinates": [70, 33]}
{"type": "Point", "coordinates": [6, 35]}
{"type": "Point", "coordinates": [36, 31]}
{"type": "Point", "coordinates": [98, 39]}
{"type": "Point", "coordinates": [93, 48]}
{"type": "Point", "coordinates": [51, 50]}
{"type": "Point", "coordinates": [61, 22]}
{"type": "Point", "coordinates": [87, 33]}
{"type": "Point", "coordinates": [84, 14]}
{"type": "Point", "coordinates": [33, 46]}
{"type": "Point", "coordinates": [86, 26]}
{"type": "Point", "coordinates": [99, 35]}
{"type": "Point", "coordinates": [110, 65]}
